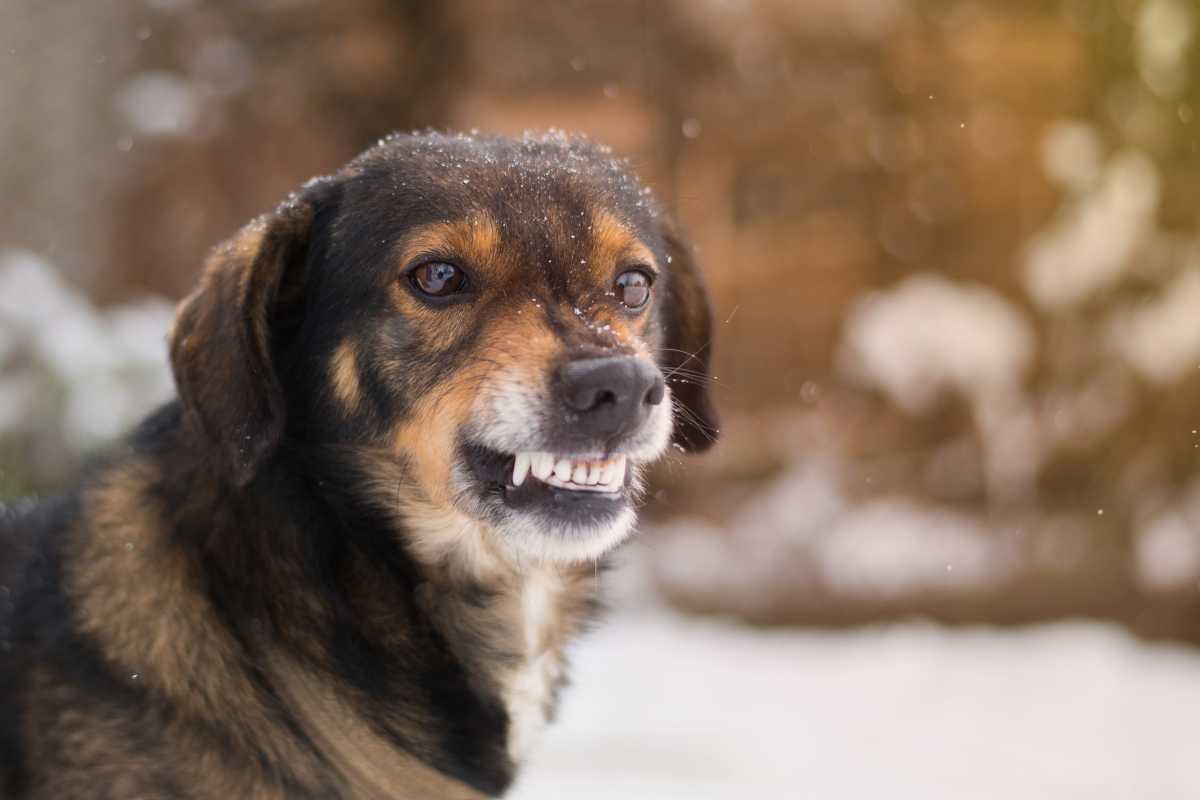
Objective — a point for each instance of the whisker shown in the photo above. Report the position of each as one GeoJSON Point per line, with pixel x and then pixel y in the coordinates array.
{"type": "Point", "coordinates": [706, 430]}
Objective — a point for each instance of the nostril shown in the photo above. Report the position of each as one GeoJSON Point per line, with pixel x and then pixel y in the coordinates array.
{"type": "Point", "coordinates": [654, 395]}
{"type": "Point", "coordinates": [587, 398]}
{"type": "Point", "coordinates": [604, 397]}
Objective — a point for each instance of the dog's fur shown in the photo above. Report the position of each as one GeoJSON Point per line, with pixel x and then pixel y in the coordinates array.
{"type": "Point", "coordinates": [284, 584]}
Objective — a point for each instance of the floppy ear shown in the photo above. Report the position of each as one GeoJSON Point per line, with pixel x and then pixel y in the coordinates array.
{"type": "Point", "coordinates": [687, 347]}
{"type": "Point", "coordinates": [221, 341]}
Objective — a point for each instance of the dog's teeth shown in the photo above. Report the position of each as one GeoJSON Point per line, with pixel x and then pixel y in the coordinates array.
{"type": "Point", "coordinates": [574, 474]}
{"type": "Point", "coordinates": [521, 465]}
{"type": "Point", "coordinates": [562, 470]}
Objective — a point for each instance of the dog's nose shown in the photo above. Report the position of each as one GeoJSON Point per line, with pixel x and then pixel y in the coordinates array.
{"type": "Point", "coordinates": [610, 396]}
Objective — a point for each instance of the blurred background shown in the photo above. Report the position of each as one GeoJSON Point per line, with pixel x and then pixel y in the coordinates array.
{"type": "Point", "coordinates": [949, 544]}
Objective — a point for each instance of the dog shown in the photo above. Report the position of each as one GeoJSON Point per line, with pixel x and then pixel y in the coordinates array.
{"type": "Point", "coordinates": [414, 405]}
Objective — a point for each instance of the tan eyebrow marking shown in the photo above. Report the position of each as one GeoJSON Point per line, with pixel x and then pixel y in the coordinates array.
{"type": "Point", "coordinates": [613, 241]}
{"type": "Point", "coordinates": [475, 237]}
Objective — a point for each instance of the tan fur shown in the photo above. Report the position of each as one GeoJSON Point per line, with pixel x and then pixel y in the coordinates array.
{"type": "Point", "coordinates": [612, 241]}
{"type": "Point", "coordinates": [344, 375]}
{"type": "Point", "coordinates": [138, 618]}
{"type": "Point", "coordinates": [475, 238]}
{"type": "Point", "coordinates": [426, 438]}
{"type": "Point", "coordinates": [93, 742]}
{"type": "Point", "coordinates": [141, 601]}
{"type": "Point", "coordinates": [369, 765]}
{"type": "Point", "coordinates": [518, 345]}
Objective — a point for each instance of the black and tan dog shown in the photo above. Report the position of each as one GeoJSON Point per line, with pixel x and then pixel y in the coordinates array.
{"type": "Point", "coordinates": [413, 405]}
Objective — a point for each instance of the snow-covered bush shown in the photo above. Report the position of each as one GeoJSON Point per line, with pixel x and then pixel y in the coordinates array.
{"type": "Point", "coordinates": [73, 377]}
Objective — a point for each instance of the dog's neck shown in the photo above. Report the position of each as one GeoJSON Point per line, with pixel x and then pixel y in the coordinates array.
{"type": "Point", "coordinates": [508, 625]}
{"type": "Point", "coordinates": [503, 618]}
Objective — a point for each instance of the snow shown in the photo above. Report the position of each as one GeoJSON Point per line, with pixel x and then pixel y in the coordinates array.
{"type": "Point", "coordinates": [1072, 154]}
{"type": "Point", "coordinates": [1167, 552]}
{"type": "Point", "coordinates": [892, 548]}
{"type": "Point", "coordinates": [1160, 337]}
{"type": "Point", "coordinates": [801, 526]}
{"type": "Point", "coordinates": [1165, 31]}
{"type": "Point", "coordinates": [159, 103]}
{"type": "Point", "coordinates": [1091, 243]}
{"type": "Point", "coordinates": [66, 365]}
{"type": "Point", "coordinates": [928, 334]}
{"type": "Point", "coordinates": [1167, 544]}
{"type": "Point", "coordinates": [667, 707]}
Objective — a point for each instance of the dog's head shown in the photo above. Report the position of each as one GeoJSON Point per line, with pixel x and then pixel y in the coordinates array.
{"type": "Point", "coordinates": [511, 323]}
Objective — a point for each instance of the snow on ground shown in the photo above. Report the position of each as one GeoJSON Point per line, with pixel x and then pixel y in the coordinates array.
{"type": "Point", "coordinates": [670, 708]}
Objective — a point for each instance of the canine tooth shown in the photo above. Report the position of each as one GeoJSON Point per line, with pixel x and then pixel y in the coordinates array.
{"type": "Point", "coordinates": [593, 476]}
{"type": "Point", "coordinates": [562, 470]}
{"type": "Point", "coordinates": [521, 465]}
{"type": "Point", "coordinates": [580, 474]}
{"type": "Point", "coordinates": [619, 472]}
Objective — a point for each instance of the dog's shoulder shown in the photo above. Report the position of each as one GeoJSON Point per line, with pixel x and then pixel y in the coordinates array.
{"type": "Point", "coordinates": [99, 591]}
{"type": "Point", "coordinates": [53, 677]}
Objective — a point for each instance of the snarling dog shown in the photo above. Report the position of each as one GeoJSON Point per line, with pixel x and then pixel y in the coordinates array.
{"type": "Point", "coordinates": [414, 403]}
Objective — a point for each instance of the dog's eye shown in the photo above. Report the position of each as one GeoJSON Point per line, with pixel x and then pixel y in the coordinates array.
{"type": "Point", "coordinates": [633, 288]}
{"type": "Point", "coordinates": [438, 279]}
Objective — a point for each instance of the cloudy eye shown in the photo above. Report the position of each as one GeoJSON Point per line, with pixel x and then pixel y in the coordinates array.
{"type": "Point", "coordinates": [633, 288]}
{"type": "Point", "coordinates": [438, 279]}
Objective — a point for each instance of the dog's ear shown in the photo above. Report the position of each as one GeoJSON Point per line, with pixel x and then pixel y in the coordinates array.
{"type": "Point", "coordinates": [224, 335]}
{"type": "Point", "coordinates": [687, 346]}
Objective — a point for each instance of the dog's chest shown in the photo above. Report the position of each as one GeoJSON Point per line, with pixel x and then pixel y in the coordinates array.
{"type": "Point", "coordinates": [532, 685]}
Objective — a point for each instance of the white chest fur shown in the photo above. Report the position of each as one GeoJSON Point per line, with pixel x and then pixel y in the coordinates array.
{"type": "Point", "coordinates": [532, 684]}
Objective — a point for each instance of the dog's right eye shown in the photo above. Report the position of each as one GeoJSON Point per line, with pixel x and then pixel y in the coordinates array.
{"type": "Point", "coordinates": [438, 279]}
